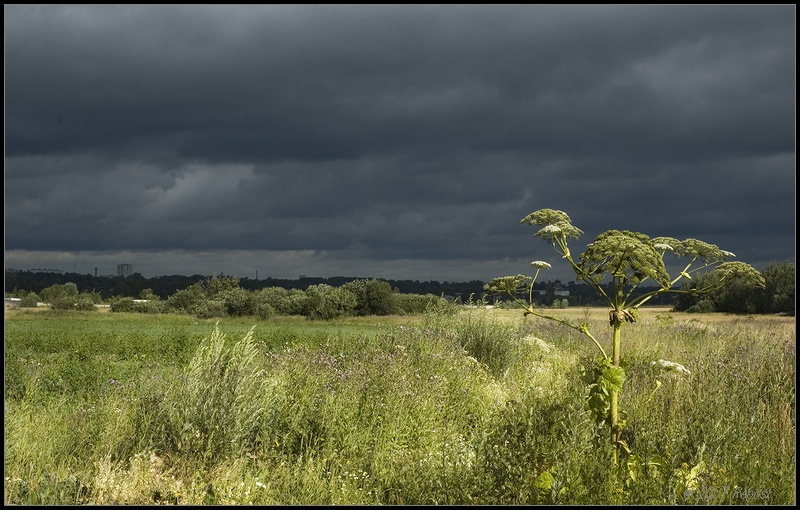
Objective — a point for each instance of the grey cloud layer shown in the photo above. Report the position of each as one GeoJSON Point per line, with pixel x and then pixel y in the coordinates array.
{"type": "Point", "coordinates": [421, 132]}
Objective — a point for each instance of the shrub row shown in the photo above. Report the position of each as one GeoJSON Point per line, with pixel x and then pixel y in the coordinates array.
{"type": "Point", "coordinates": [223, 297]}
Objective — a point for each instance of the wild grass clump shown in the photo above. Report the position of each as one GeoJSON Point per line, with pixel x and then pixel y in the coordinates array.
{"type": "Point", "coordinates": [727, 424]}
{"type": "Point", "coordinates": [215, 407]}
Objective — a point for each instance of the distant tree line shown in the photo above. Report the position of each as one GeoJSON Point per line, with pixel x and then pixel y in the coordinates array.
{"type": "Point", "coordinates": [777, 297]}
{"type": "Point", "coordinates": [109, 287]}
{"type": "Point", "coordinates": [318, 297]}
{"type": "Point", "coordinates": [224, 297]}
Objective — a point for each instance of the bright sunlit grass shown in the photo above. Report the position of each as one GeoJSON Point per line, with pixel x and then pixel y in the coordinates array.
{"type": "Point", "coordinates": [477, 407]}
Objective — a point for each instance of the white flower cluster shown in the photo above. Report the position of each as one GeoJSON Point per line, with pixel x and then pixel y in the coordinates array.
{"type": "Point", "coordinates": [537, 342]}
{"type": "Point", "coordinates": [550, 229]}
{"type": "Point", "coordinates": [540, 264]}
{"type": "Point", "coordinates": [671, 366]}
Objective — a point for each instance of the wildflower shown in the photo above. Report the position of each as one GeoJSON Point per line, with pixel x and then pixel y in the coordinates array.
{"type": "Point", "coordinates": [537, 342]}
{"type": "Point", "coordinates": [727, 253]}
{"type": "Point", "coordinates": [671, 366]}
{"type": "Point", "coordinates": [540, 264]}
{"type": "Point", "coordinates": [663, 246]}
{"type": "Point", "coordinates": [549, 229]}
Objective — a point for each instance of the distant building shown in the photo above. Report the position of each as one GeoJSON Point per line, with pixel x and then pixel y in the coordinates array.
{"type": "Point", "coordinates": [123, 270]}
{"type": "Point", "coordinates": [559, 290]}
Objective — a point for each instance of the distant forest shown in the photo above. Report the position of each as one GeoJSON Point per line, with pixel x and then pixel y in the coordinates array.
{"type": "Point", "coordinates": [110, 287]}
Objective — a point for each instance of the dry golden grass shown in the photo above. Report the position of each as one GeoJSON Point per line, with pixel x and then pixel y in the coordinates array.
{"type": "Point", "coordinates": [646, 314]}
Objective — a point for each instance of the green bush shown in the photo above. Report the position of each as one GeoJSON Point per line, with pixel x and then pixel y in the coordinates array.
{"type": "Point", "coordinates": [264, 310]}
{"type": "Point", "coordinates": [210, 309]}
{"type": "Point", "coordinates": [59, 292]}
{"type": "Point", "coordinates": [188, 300]}
{"type": "Point", "coordinates": [779, 294]}
{"type": "Point", "coordinates": [281, 301]}
{"type": "Point", "coordinates": [85, 303]}
{"type": "Point", "coordinates": [124, 304]}
{"type": "Point", "coordinates": [373, 297]}
{"type": "Point", "coordinates": [30, 301]}
{"type": "Point", "coordinates": [326, 302]}
{"type": "Point", "coordinates": [238, 302]}
{"type": "Point", "coordinates": [412, 304]}
{"type": "Point", "coordinates": [82, 303]}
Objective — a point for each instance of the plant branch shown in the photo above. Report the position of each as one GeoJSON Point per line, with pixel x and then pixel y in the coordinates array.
{"type": "Point", "coordinates": [529, 310]}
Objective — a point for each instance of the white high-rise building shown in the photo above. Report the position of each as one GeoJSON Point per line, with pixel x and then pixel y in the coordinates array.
{"type": "Point", "coordinates": [123, 269]}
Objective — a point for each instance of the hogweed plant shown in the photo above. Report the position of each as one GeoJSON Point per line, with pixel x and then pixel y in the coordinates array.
{"type": "Point", "coordinates": [628, 259]}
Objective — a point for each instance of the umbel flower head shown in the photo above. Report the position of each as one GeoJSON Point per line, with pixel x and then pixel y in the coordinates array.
{"type": "Point", "coordinates": [507, 284]}
{"type": "Point", "coordinates": [555, 223]}
{"type": "Point", "coordinates": [742, 272]}
{"type": "Point", "coordinates": [561, 229]}
{"type": "Point", "coordinates": [540, 264]}
{"type": "Point", "coordinates": [623, 254]}
{"type": "Point", "coordinates": [663, 244]}
{"type": "Point", "coordinates": [548, 231]}
{"type": "Point", "coordinates": [546, 217]}
{"type": "Point", "coordinates": [670, 366]}
{"type": "Point", "coordinates": [707, 252]}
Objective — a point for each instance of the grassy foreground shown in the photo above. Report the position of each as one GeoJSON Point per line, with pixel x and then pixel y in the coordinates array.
{"type": "Point", "coordinates": [473, 407]}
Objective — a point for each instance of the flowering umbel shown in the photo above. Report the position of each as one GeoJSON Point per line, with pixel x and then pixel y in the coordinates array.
{"type": "Point", "coordinates": [670, 366]}
{"type": "Point", "coordinates": [511, 285]}
{"type": "Point", "coordinates": [629, 259]}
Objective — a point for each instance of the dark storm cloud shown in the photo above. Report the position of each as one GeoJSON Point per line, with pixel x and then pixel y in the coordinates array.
{"type": "Point", "coordinates": [413, 133]}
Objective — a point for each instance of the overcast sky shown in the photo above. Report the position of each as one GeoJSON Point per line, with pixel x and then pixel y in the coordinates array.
{"type": "Point", "coordinates": [400, 142]}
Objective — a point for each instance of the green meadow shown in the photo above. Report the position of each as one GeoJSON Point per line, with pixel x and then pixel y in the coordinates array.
{"type": "Point", "coordinates": [455, 406]}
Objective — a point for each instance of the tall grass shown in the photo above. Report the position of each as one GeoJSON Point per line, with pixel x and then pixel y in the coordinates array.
{"type": "Point", "coordinates": [456, 408]}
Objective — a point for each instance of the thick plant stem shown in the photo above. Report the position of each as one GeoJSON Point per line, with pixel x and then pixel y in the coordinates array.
{"type": "Point", "coordinates": [616, 348]}
{"type": "Point", "coordinates": [615, 395]}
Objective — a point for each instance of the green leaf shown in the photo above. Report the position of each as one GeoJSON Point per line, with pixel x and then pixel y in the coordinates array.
{"type": "Point", "coordinates": [544, 482]}
{"type": "Point", "coordinates": [634, 464]}
{"type": "Point", "coordinates": [603, 379]}
{"type": "Point", "coordinates": [614, 378]}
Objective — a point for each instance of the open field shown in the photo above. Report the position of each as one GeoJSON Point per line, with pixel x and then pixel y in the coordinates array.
{"type": "Point", "coordinates": [649, 314]}
{"type": "Point", "coordinates": [473, 407]}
